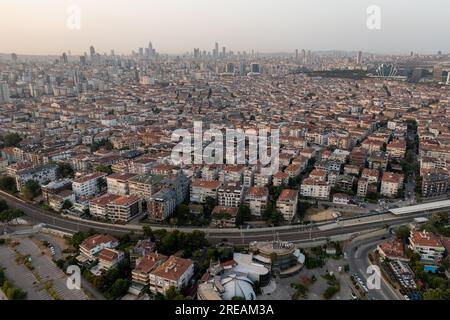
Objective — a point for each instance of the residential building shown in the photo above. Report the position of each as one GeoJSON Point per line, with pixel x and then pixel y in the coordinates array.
{"type": "Point", "coordinates": [92, 245]}
{"type": "Point", "coordinates": [313, 188]}
{"type": "Point", "coordinates": [287, 203]}
{"type": "Point", "coordinates": [144, 266]}
{"type": "Point", "coordinates": [124, 208]}
{"type": "Point", "coordinates": [256, 199]}
{"type": "Point", "coordinates": [118, 183]}
{"type": "Point", "coordinates": [88, 185]}
{"type": "Point", "coordinates": [224, 217]}
{"type": "Point", "coordinates": [230, 194]}
{"type": "Point", "coordinates": [202, 189]}
{"type": "Point", "coordinates": [434, 182]}
{"type": "Point", "coordinates": [391, 184]}
{"type": "Point", "coordinates": [428, 245]}
{"type": "Point", "coordinates": [109, 258]}
{"type": "Point", "coordinates": [174, 272]}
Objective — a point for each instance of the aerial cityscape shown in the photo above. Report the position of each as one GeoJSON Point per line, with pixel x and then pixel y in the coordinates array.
{"type": "Point", "coordinates": [213, 173]}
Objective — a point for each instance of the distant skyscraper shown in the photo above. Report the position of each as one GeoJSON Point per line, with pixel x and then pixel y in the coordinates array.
{"type": "Point", "coordinates": [14, 57]}
{"type": "Point", "coordinates": [230, 68]}
{"type": "Point", "coordinates": [296, 54]}
{"type": "Point", "coordinates": [141, 52]}
{"type": "Point", "coordinates": [437, 73]}
{"type": "Point", "coordinates": [448, 78]}
{"type": "Point", "coordinates": [4, 93]}
{"type": "Point", "coordinates": [303, 56]}
{"type": "Point", "coordinates": [359, 58]}
{"type": "Point", "coordinates": [242, 68]}
{"type": "Point", "coordinates": [224, 51]}
{"type": "Point", "coordinates": [216, 50]}
{"type": "Point", "coordinates": [92, 52]}
{"type": "Point", "coordinates": [196, 53]}
{"type": "Point", "coordinates": [255, 68]}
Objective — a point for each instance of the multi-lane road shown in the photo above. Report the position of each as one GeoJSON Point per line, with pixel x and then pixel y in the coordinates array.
{"type": "Point", "coordinates": [356, 253]}
{"type": "Point", "coordinates": [294, 233]}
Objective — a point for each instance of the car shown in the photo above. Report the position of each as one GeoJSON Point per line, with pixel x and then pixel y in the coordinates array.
{"type": "Point", "coordinates": [354, 296]}
{"type": "Point", "coordinates": [406, 297]}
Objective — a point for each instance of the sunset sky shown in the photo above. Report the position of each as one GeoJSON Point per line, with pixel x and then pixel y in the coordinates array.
{"type": "Point", "coordinates": [177, 26]}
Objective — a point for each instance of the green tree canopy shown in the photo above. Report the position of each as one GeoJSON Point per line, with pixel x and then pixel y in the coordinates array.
{"type": "Point", "coordinates": [31, 189]}
{"type": "Point", "coordinates": [64, 170]}
{"type": "Point", "coordinates": [8, 184]}
{"type": "Point", "coordinates": [12, 140]}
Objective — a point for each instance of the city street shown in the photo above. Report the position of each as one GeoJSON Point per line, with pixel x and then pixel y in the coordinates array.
{"type": "Point", "coordinates": [357, 255]}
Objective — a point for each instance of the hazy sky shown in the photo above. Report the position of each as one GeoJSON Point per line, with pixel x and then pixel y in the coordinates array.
{"type": "Point", "coordinates": [176, 26]}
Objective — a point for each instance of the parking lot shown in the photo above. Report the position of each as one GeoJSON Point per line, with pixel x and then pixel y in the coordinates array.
{"type": "Point", "coordinates": [48, 272]}
{"type": "Point", "coordinates": [45, 281]}
{"type": "Point", "coordinates": [20, 276]}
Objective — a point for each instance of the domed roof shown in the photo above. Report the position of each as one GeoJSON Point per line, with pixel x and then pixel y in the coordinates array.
{"type": "Point", "coordinates": [238, 286]}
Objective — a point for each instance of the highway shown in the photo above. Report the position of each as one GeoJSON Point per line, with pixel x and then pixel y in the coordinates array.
{"type": "Point", "coordinates": [357, 255]}
{"type": "Point", "coordinates": [292, 233]}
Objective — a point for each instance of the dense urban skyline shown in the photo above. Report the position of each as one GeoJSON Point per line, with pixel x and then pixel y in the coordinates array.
{"type": "Point", "coordinates": [178, 26]}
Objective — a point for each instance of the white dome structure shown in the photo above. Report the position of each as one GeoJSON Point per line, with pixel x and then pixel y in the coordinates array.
{"type": "Point", "coordinates": [237, 286]}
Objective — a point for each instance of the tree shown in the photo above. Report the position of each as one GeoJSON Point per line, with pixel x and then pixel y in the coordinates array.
{"type": "Point", "coordinates": [402, 233]}
{"type": "Point", "coordinates": [101, 185]}
{"type": "Point", "coordinates": [10, 214]}
{"type": "Point", "coordinates": [243, 215]}
{"type": "Point", "coordinates": [12, 140]}
{"type": "Point", "coordinates": [103, 168]}
{"type": "Point", "coordinates": [118, 289]}
{"type": "Point", "coordinates": [331, 291]}
{"type": "Point", "coordinates": [31, 189]}
{"type": "Point", "coordinates": [171, 293]}
{"type": "Point", "coordinates": [148, 232]}
{"type": "Point", "coordinates": [272, 215]}
{"type": "Point", "coordinates": [64, 170]}
{"type": "Point", "coordinates": [66, 205]}
{"type": "Point", "coordinates": [8, 184]}
{"type": "Point", "coordinates": [3, 205]}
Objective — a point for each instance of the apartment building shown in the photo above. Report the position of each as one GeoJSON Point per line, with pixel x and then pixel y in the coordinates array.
{"type": "Point", "coordinates": [372, 175]}
{"type": "Point", "coordinates": [396, 149]}
{"type": "Point", "coordinates": [428, 245]}
{"type": "Point", "coordinates": [256, 199]}
{"type": "Point", "coordinates": [434, 182]}
{"type": "Point", "coordinates": [313, 188]}
{"type": "Point", "coordinates": [88, 185]}
{"type": "Point", "coordinates": [42, 174]}
{"type": "Point", "coordinates": [391, 184]}
{"type": "Point", "coordinates": [232, 173]}
{"type": "Point", "coordinates": [145, 185]}
{"type": "Point", "coordinates": [162, 204]}
{"type": "Point", "coordinates": [109, 258]}
{"type": "Point", "coordinates": [98, 206]}
{"type": "Point", "coordinates": [144, 266]}
{"type": "Point", "coordinates": [118, 183]}
{"type": "Point", "coordinates": [202, 189]}
{"type": "Point", "coordinates": [124, 208]}
{"type": "Point", "coordinates": [287, 203]}
{"type": "Point", "coordinates": [280, 178]}
{"type": "Point", "coordinates": [224, 217]}
{"type": "Point", "coordinates": [142, 166]}
{"type": "Point", "coordinates": [230, 194]}
{"type": "Point", "coordinates": [174, 272]}
{"type": "Point", "coordinates": [92, 245]}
